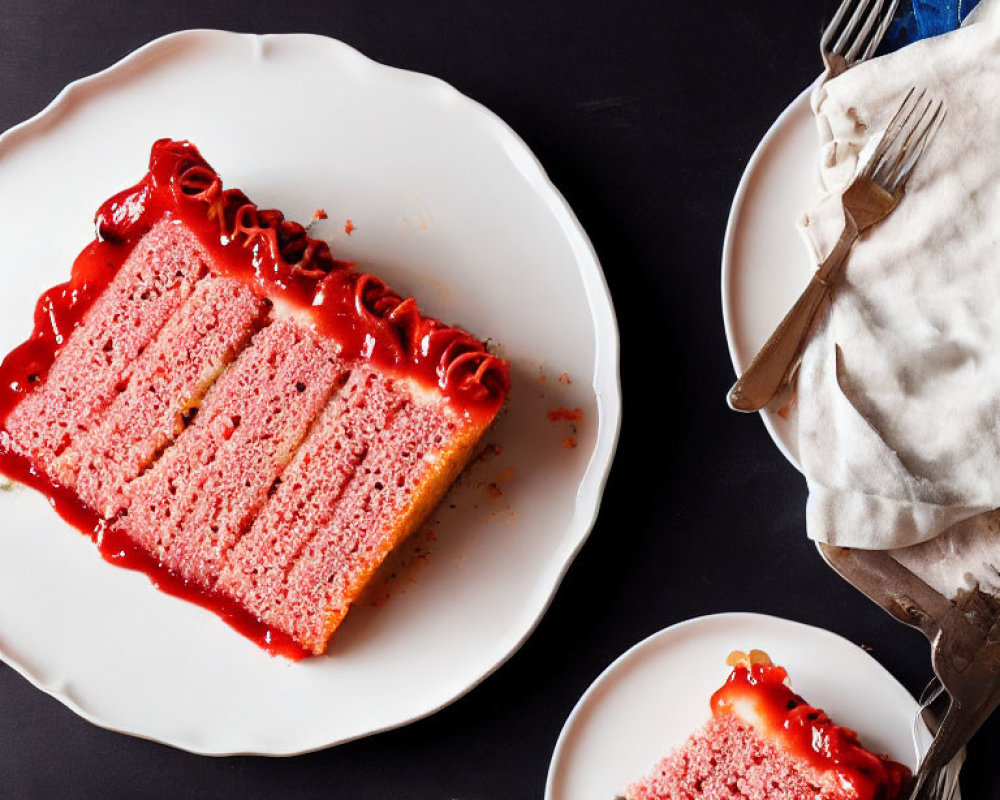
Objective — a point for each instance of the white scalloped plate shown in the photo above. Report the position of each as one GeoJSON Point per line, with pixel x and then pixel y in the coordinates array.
{"type": "Point", "coordinates": [765, 265]}
{"type": "Point", "coordinates": [657, 693]}
{"type": "Point", "coordinates": [447, 204]}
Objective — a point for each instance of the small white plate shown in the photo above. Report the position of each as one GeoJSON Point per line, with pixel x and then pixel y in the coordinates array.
{"type": "Point", "coordinates": [448, 204]}
{"type": "Point", "coordinates": [657, 694]}
{"type": "Point", "coordinates": [765, 265]}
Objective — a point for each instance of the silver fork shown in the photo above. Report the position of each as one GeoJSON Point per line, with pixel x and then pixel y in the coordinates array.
{"type": "Point", "coordinates": [965, 652]}
{"type": "Point", "coordinates": [873, 194]}
{"type": "Point", "coordinates": [855, 31]}
{"type": "Point", "coordinates": [851, 36]}
{"type": "Point", "coordinates": [945, 784]}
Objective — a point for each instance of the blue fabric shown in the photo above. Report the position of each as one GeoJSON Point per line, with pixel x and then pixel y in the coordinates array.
{"type": "Point", "coordinates": [918, 19]}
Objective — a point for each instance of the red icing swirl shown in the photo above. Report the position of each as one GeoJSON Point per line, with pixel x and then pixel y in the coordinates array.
{"type": "Point", "coordinates": [277, 255]}
{"type": "Point", "coordinates": [760, 696]}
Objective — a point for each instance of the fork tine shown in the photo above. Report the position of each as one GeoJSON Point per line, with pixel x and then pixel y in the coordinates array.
{"type": "Point", "coordinates": [898, 143]}
{"type": "Point", "coordinates": [834, 24]}
{"type": "Point", "coordinates": [941, 785]}
{"type": "Point", "coordinates": [892, 130]}
{"type": "Point", "coordinates": [855, 32]}
{"type": "Point", "coordinates": [862, 36]}
{"type": "Point", "coordinates": [938, 786]}
{"type": "Point", "coordinates": [935, 777]}
{"type": "Point", "coordinates": [892, 173]}
{"type": "Point", "coordinates": [880, 32]}
{"type": "Point", "coordinates": [847, 33]}
{"type": "Point", "coordinates": [905, 168]}
{"type": "Point", "coordinates": [931, 695]}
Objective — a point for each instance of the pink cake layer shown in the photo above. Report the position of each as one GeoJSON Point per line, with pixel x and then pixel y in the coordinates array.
{"type": "Point", "coordinates": [728, 759]}
{"type": "Point", "coordinates": [337, 561]}
{"type": "Point", "coordinates": [95, 363]}
{"type": "Point", "coordinates": [199, 498]}
{"type": "Point", "coordinates": [168, 382]}
{"type": "Point", "coordinates": [309, 491]}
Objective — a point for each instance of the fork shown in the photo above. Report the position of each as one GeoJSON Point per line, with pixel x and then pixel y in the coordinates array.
{"type": "Point", "coordinates": [853, 34]}
{"type": "Point", "coordinates": [965, 651]}
{"type": "Point", "coordinates": [944, 785]}
{"type": "Point", "coordinates": [873, 194]}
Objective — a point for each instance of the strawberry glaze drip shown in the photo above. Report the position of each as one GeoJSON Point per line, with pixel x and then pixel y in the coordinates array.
{"type": "Point", "coordinates": [116, 548]}
{"type": "Point", "coordinates": [278, 259]}
{"type": "Point", "coordinates": [777, 713]}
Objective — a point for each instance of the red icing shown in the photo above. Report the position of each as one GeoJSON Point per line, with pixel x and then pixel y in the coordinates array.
{"type": "Point", "coordinates": [804, 732]}
{"type": "Point", "coordinates": [278, 259]}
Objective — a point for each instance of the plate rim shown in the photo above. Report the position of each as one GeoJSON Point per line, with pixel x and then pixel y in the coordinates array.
{"type": "Point", "coordinates": [606, 382]}
{"type": "Point", "coordinates": [756, 162]}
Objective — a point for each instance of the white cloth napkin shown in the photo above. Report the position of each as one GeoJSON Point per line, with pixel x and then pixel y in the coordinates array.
{"type": "Point", "coordinates": [899, 389]}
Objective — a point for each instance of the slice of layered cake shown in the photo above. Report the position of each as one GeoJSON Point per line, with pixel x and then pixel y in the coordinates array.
{"type": "Point", "coordinates": [262, 422]}
{"type": "Point", "coordinates": [764, 742]}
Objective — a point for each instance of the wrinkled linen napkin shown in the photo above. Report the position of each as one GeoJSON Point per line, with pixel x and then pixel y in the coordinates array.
{"type": "Point", "coordinates": [899, 388]}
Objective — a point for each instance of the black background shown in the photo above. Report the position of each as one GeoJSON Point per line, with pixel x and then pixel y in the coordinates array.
{"type": "Point", "coordinates": [644, 115]}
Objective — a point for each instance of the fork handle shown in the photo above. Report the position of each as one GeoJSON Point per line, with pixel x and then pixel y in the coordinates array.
{"type": "Point", "coordinates": [772, 366]}
{"type": "Point", "coordinates": [766, 373]}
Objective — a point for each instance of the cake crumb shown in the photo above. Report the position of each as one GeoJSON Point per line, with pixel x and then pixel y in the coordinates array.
{"type": "Point", "coordinates": [494, 488]}
{"type": "Point", "coordinates": [401, 569]}
{"type": "Point", "coordinates": [565, 379]}
{"type": "Point", "coordinates": [570, 414]}
{"type": "Point", "coordinates": [569, 442]}
{"type": "Point", "coordinates": [491, 450]}
{"type": "Point", "coordinates": [348, 227]}
{"type": "Point", "coordinates": [320, 213]}
{"type": "Point", "coordinates": [6, 485]}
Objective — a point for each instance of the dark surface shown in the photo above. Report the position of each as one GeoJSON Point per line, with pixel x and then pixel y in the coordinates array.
{"type": "Point", "coordinates": [627, 105]}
